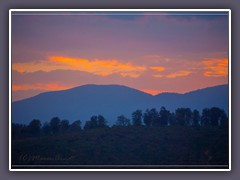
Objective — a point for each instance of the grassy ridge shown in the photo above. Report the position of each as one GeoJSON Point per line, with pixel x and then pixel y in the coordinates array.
{"type": "Point", "coordinates": [131, 145]}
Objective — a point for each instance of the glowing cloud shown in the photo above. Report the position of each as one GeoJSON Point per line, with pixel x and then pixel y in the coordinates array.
{"type": "Point", "coordinates": [173, 75]}
{"type": "Point", "coordinates": [40, 86]}
{"type": "Point", "coordinates": [96, 67]}
{"type": "Point", "coordinates": [157, 68]}
{"type": "Point", "coordinates": [215, 67]}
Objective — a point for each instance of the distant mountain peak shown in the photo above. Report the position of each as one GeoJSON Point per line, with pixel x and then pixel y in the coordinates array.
{"type": "Point", "coordinates": [225, 86]}
{"type": "Point", "coordinates": [112, 100]}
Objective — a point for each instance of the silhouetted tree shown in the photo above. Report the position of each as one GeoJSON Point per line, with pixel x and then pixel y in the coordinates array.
{"type": "Point", "coordinates": [180, 116]}
{"type": "Point", "coordinates": [147, 118]}
{"type": "Point", "coordinates": [154, 115]}
{"type": "Point", "coordinates": [46, 128]}
{"type": "Point", "coordinates": [122, 121]}
{"type": "Point", "coordinates": [55, 125]}
{"type": "Point", "coordinates": [196, 118]}
{"type": "Point", "coordinates": [224, 120]}
{"type": "Point", "coordinates": [172, 119]}
{"type": "Point", "coordinates": [215, 116]}
{"type": "Point", "coordinates": [164, 116]}
{"type": "Point", "coordinates": [96, 122]}
{"type": "Point", "coordinates": [188, 116]}
{"type": "Point", "coordinates": [34, 127]}
{"type": "Point", "coordinates": [205, 119]}
{"type": "Point", "coordinates": [102, 121]}
{"type": "Point", "coordinates": [151, 117]}
{"type": "Point", "coordinates": [75, 126]}
{"type": "Point", "coordinates": [137, 118]}
{"type": "Point", "coordinates": [87, 125]}
{"type": "Point", "coordinates": [64, 125]}
{"type": "Point", "coordinates": [19, 131]}
{"type": "Point", "coordinates": [184, 116]}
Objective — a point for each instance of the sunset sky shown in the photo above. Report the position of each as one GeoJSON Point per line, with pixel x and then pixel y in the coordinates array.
{"type": "Point", "coordinates": [150, 51]}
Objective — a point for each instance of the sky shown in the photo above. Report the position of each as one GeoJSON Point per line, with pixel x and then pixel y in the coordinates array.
{"type": "Point", "coordinates": [153, 52]}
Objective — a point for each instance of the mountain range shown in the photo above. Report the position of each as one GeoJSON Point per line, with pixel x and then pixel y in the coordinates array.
{"type": "Point", "coordinates": [82, 102]}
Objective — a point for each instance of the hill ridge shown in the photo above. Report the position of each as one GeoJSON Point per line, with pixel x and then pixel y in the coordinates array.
{"type": "Point", "coordinates": [111, 101]}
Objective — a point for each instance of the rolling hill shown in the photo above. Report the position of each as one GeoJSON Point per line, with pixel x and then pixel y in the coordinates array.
{"type": "Point", "coordinates": [110, 101]}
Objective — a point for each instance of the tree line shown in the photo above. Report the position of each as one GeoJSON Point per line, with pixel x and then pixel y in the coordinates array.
{"type": "Point", "coordinates": [182, 116]}
{"type": "Point", "coordinates": [151, 117]}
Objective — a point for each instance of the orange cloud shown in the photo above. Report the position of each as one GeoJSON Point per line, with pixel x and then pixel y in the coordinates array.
{"type": "Point", "coordinates": [215, 67]}
{"type": "Point", "coordinates": [157, 68]}
{"type": "Point", "coordinates": [96, 67]}
{"type": "Point", "coordinates": [36, 66]}
{"type": "Point", "coordinates": [40, 86]}
{"type": "Point", "coordinates": [173, 75]}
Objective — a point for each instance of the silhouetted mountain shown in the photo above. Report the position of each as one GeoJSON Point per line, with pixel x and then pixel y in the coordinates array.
{"type": "Point", "coordinates": [203, 98]}
{"type": "Point", "coordinates": [110, 101]}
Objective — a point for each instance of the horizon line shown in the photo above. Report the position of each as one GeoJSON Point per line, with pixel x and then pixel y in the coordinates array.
{"type": "Point", "coordinates": [141, 90]}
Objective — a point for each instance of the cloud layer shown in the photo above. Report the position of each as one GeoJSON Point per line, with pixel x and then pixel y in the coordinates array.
{"type": "Point", "coordinates": [152, 52]}
{"type": "Point", "coordinates": [216, 67]}
{"type": "Point", "coordinates": [97, 67]}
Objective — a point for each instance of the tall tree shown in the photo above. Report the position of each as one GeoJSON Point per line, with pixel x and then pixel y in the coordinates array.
{"type": "Point", "coordinates": [137, 118]}
{"type": "Point", "coordinates": [122, 121]}
{"type": "Point", "coordinates": [154, 115]}
{"type": "Point", "coordinates": [164, 116]}
{"type": "Point", "coordinates": [55, 125]}
{"type": "Point", "coordinates": [34, 127]}
{"type": "Point", "coordinates": [184, 116]}
{"type": "Point", "coordinates": [147, 118]}
{"type": "Point", "coordinates": [206, 118]}
{"type": "Point", "coordinates": [87, 125]}
{"type": "Point", "coordinates": [215, 116]}
{"type": "Point", "coordinates": [180, 116]}
{"type": "Point", "coordinates": [151, 117]}
{"type": "Point", "coordinates": [224, 120]}
{"type": "Point", "coordinates": [196, 118]}
{"type": "Point", "coordinates": [64, 125]}
{"type": "Point", "coordinates": [188, 116]}
{"type": "Point", "coordinates": [95, 122]}
{"type": "Point", "coordinates": [75, 126]}
{"type": "Point", "coordinates": [101, 121]}
{"type": "Point", "coordinates": [172, 119]}
{"type": "Point", "coordinates": [46, 128]}
{"type": "Point", "coordinates": [19, 131]}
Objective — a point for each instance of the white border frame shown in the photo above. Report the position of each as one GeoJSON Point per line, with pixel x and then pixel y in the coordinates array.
{"type": "Point", "coordinates": [116, 10]}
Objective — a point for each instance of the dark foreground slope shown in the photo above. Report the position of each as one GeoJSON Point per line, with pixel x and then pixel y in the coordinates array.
{"type": "Point", "coordinates": [131, 145]}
